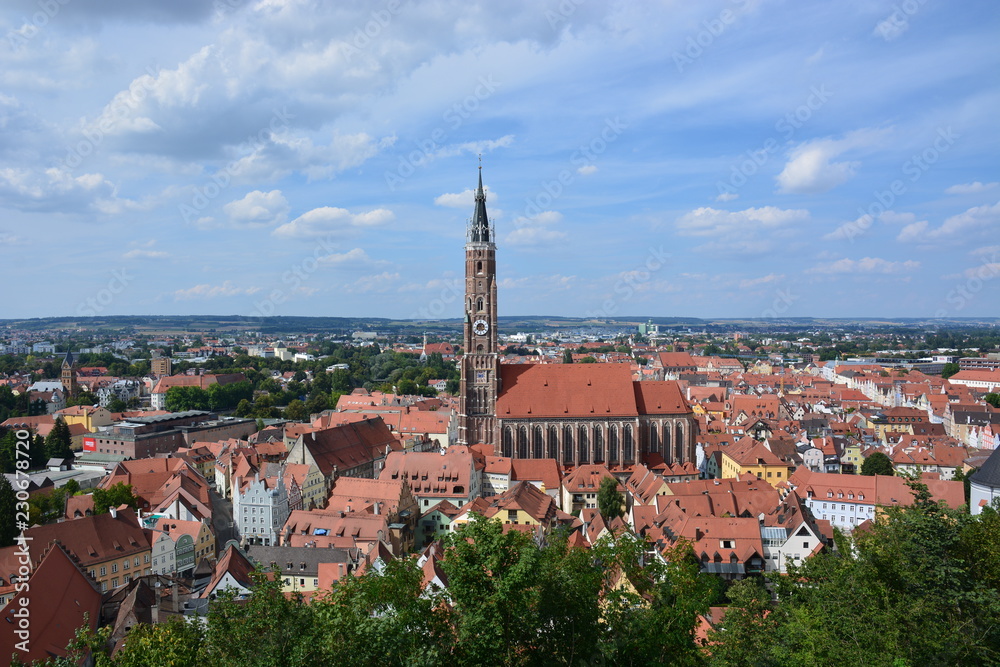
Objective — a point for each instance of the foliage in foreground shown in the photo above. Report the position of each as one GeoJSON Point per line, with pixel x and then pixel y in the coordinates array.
{"type": "Point", "coordinates": [919, 588]}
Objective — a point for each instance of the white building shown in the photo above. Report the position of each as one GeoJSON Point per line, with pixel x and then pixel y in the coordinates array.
{"type": "Point", "coordinates": [260, 507]}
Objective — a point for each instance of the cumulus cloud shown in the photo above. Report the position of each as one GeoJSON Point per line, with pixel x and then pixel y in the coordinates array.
{"type": "Point", "coordinates": [811, 167]}
{"type": "Point", "coordinates": [971, 222]}
{"type": "Point", "coordinates": [464, 199]}
{"type": "Point", "coordinates": [207, 291]}
{"type": "Point", "coordinates": [707, 221]}
{"type": "Point", "coordinates": [865, 265]}
{"type": "Point", "coordinates": [587, 170]}
{"type": "Point", "coordinates": [331, 220]}
{"type": "Point", "coordinates": [53, 189]}
{"type": "Point", "coordinates": [258, 209]}
{"type": "Point", "coordinates": [536, 230]}
{"type": "Point", "coordinates": [854, 228]}
{"type": "Point", "coordinates": [971, 188]}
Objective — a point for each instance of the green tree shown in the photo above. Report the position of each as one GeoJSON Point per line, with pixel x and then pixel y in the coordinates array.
{"type": "Point", "coordinates": [949, 369]}
{"type": "Point", "coordinates": [877, 463]}
{"type": "Point", "coordinates": [749, 630]}
{"type": "Point", "coordinates": [115, 496]}
{"type": "Point", "coordinates": [117, 405]}
{"type": "Point", "coordinates": [993, 399]}
{"type": "Point", "coordinates": [8, 513]}
{"type": "Point", "coordinates": [385, 618]}
{"type": "Point", "coordinates": [567, 356]}
{"type": "Point", "coordinates": [588, 360]}
{"type": "Point", "coordinates": [296, 411]}
{"type": "Point", "coordinates": [58, 442]}
{"type": "Point", "coordinates": [269, 629]}
{"type": "Point", "coordinates": [610, 501]}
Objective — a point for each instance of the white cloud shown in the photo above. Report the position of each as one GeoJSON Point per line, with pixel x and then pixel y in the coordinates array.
{"type": "Point", "coordinates": [892, 26]}
{"type": "Point", "coordinates": [465, 199]}
{"type": "Point", "coordinates": [727, 196]}
{"type": "Point", "coordinates": [971, 188]}
{"type": "Point", "coordinates": [536, 230]}
{"type": "Point", "coordinates": [992, 250]}
{"type": "Point", "coordinates": [377, 283]}
{"type": "Point", "coordinates": [587, 170]}
{"type": "Point", "coordinates": [139, 253]}
{"type": "Point", "coordinates": [707, 221]}
{"type": "Point", "coordinates": [54, 188]}
{"type": "Point", "coordinates": [258, 209]}
{"type": "Point", "coordinates": [854, 228]}
{"type": "Point", "coordinates": [207, 291]}
{"type": "Point", "coordinates": [976, 220]}
{"type": "Point", "coordinates": [474, 147]}
{"type": "Point", "coordinates": [865, 265]}
{"type": "Point", "coordinates": [330, 220]}
{"type": "Point", "coordinates": [354, 257]}
{"type": "Point", "coordinates": [811, 167]}
{"type": "Point", "coordinates": [763, 280]}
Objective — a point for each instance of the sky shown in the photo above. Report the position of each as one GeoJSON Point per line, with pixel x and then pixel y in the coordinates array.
{"type": "Point", "coordinates": [718, 159]}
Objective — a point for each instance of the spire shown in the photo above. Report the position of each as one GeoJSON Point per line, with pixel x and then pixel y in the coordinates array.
{"type": "Point", "coordinates": [479, 231]}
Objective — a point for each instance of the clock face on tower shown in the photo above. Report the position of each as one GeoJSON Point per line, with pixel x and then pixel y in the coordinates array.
{"type": "Point", "coordinates": [480, 327]}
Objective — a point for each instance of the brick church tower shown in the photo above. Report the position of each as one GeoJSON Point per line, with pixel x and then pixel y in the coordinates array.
{"type": "Point", "coordinates": [480, 361]}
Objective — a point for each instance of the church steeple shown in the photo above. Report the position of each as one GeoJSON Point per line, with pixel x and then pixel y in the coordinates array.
{"type": "Point", "coordinates": [479, 228]}
{"type": "Point", "coordinates": [480, 361]}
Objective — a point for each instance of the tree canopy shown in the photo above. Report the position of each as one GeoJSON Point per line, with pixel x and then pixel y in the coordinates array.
{"type": "Point", "coordinates": [877, 463]}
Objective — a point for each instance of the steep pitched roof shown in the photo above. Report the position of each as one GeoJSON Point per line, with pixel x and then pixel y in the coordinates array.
{"type": "Point", "coordinates": [562, 390]}
{"type": "Point", "coordinates": [60, 594]}
{"type": "Point", "coordinates": [989, 473]}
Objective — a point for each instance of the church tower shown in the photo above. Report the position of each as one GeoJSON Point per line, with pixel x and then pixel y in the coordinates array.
{"type": "Point", "coordinates": [70, 388]}
{"type": "Point", "coordinates": [480, 361]}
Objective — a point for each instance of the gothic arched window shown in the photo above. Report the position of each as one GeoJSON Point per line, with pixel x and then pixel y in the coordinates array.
{"type": "Point", "coordinates": [629, 445]}
{"type": "Point", "coordinates": [613, 443]}
{"type": "Point", "coordinates": [598, 444]}
{"type": "Point", "coordinates": [538, 444]}
{"type": "Point", "coordinates": [522, 442]}
{"type": "Point", "coordinates": [507, 446]}
{"type": "Point", "coordinates": [553, 442]}
{"type": "Point", "coordinates": [582, 446]}
{"type": "Point", "coordinates": [568, 445]}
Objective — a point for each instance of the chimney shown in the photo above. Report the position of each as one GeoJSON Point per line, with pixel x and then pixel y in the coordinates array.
{"type": "Point", "coordinates": [114, 512]}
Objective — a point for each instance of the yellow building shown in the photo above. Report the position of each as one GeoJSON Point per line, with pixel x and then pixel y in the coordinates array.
{"type": "Point", "coordinates": [754, 458]}
{"type": "Point", "coordinates": [88, 415]}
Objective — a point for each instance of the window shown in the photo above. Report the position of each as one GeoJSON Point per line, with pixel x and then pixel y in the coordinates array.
{"type": "Point", "coordinates": [145, 559]}
{"type": "Point", "coordinates": [93, 574]}
{"type": "Point", "coordinates": [114, 583]}
{"type": "Point", "coordinates": [125, 564]}
{"type": "Point", "coordinates": [805, 545]}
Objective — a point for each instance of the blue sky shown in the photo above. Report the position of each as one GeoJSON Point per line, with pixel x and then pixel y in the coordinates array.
{"type": "Point", "coordinates": [744, 158]}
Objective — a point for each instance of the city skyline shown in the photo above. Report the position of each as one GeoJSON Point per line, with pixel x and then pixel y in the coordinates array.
{"type": "Point", "coordinates": [734, 159]}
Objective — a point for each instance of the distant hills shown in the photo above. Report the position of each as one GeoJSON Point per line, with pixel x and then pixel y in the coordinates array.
{"type": "Point", "coordinates": [222, 324]}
